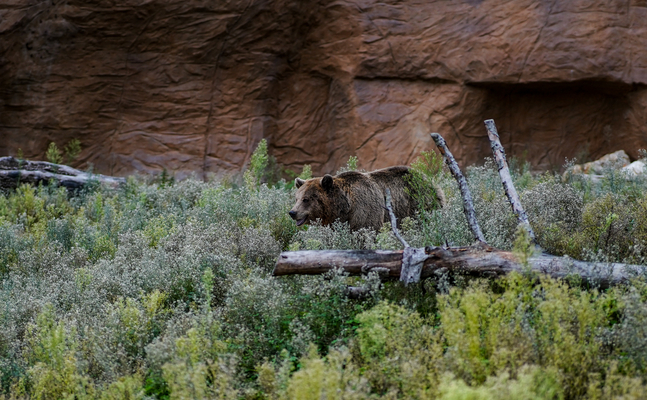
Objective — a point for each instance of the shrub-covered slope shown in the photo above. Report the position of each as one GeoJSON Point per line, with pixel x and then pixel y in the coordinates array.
{"type": "Point", "coordinates": [164, 290]}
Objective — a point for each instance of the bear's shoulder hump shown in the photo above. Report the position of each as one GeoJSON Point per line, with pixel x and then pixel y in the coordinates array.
{"type": "Point", "coordinates": [396, 171]}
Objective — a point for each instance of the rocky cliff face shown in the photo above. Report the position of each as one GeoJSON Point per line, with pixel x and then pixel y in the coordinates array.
{"type": "Point", "coordinates": [193, 85]}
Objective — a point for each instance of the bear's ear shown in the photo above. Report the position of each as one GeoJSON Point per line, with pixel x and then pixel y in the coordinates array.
{"type": "Point", "coordinates": [298, 182]}
{"type": "Point", "coordinates": [326, 182]}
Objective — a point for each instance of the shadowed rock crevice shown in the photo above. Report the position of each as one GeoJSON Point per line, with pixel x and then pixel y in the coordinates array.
{"type": "Point", "coordinates": [539, 121]}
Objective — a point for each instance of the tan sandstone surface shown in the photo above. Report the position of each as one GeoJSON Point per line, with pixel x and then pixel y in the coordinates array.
{"type": "Point", "coordinates": [193, 85]}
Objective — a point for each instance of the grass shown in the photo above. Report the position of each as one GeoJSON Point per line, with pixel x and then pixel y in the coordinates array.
{"type": "Point", "coordinates": [164, 290]}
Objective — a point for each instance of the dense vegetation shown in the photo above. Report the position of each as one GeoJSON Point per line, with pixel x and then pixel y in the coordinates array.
{"type": "Point", "coordinates": [164, 290]}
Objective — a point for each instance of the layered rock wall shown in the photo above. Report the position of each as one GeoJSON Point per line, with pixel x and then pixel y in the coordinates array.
{"type": "Point", "coordinates": [192, 86]}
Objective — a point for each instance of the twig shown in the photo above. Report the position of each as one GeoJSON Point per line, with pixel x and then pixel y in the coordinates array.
{"type": "Point", "coordinates": [394, 221]}
{"type": "Point", "coordinates": [504, 173]}
{"type": "Point", "coordinates": [468, 204]}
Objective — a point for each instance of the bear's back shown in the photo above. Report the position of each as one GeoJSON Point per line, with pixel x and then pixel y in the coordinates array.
{"type": "Point", "coordinates": [375, 182]}
{"type": "Point", "coordinates": [385, 177]}
{"type": "Point", "coordinates": [390, 177]}
{"type": "Point", "coordinates": [358, 184]}
{"type": "Point", "coordinates": [352, 177]}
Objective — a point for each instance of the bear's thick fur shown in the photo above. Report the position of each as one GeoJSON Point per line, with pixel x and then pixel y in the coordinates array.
{"type": "Point", "coordinates": [356, 198]}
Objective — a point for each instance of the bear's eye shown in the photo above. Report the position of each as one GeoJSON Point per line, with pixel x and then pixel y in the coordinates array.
{"type": "Point", "coordinates": [306, 200]}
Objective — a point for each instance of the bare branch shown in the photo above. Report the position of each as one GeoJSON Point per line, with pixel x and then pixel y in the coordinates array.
{"type": "Point", "coordinates": [468, 204]}
{"type": "Point", "coordinates": [394, 221]}
{"type": "Point", "coordinates": [504, 173]}
{"type": "Point", "coordinates": [412, 259]}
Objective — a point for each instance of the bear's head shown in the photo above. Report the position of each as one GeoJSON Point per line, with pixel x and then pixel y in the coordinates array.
{"type": "Point", "coordinates": [313, 200]}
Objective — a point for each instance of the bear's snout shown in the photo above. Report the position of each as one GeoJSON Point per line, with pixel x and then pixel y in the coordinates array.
{"type": "Point", "coordinates": [294, 216]}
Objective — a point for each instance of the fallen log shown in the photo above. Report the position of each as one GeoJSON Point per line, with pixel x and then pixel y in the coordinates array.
{"type": "Point", "coordinates": [477, 261]}
{"type": "Point", "coordinates": [14, 172]}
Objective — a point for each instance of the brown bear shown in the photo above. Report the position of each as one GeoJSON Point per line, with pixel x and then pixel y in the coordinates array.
{"type": "Point", "coordinates": [356, 198]}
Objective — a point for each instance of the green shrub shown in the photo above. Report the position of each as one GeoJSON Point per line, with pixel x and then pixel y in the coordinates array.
{"type": "Point", "coordinates": [616, 385]}
{"type": "Point", "coordinates": [531, 384]}
{"type": "Point", "coordinates": [555, 213]}
{"type": "Point", "coordinates": [53, 154]}
{"type": "Point", "coordinates": [551, 326]}
{"type": "Point", "coordinates": [126, 388]}
{"type": "Point", "coordinates": [165, 291]}
{"type": "Point", "coordinates": [351, 165]}
{"type": "Point", "coordinates": [257, 166]}
{"type": "Point", "coordinates": [195, 371]}
{"type": "Point", "coordinates": [424, 171]}
{"type": "Point", "coordinates": [306, 173]}
{"type": "Point", "coordinates": [54, 373]}
{"type": "Point", "coordinates": [399, 352]}
{"type": "Point", "coordinates": [331, 378]}
{"type": "Point", "coordinates": [72, 150]}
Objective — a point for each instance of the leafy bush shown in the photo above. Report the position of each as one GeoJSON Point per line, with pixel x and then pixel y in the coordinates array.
{"type": "Point", "coordinates": [257, 166]}
{"type": "Point", "coordinates": [164, 290]}
{"type": "Point", "coordinates": [332, 378]}
{"type": "Point", "coordinates": [53, 154]}
{"type": "Point", "coordinates": [513, 339]}
{"type": "Point", "coordinates": [423, 187]}
{"type": "Point", "coordinates": [72, 150]}
{"type": "Point", "coordinates": [531, 384]}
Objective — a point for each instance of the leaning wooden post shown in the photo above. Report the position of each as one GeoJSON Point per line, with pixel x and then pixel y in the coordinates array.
{"type": "Point", "coordinates": [468, 204]}
{"type": "Point", "coordinates": [504, 173]}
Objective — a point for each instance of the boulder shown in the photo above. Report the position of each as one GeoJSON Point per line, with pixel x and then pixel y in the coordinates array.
{"type": "Point", "coordinates": [618, 161]}
{"type": "Point", "coordinates": [634, 169]}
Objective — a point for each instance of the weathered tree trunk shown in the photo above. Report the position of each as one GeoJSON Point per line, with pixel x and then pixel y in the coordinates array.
{"type": "Point", "coordinates": [13, 172]}
{"type": "Point", "coordinates": [479, 261]}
